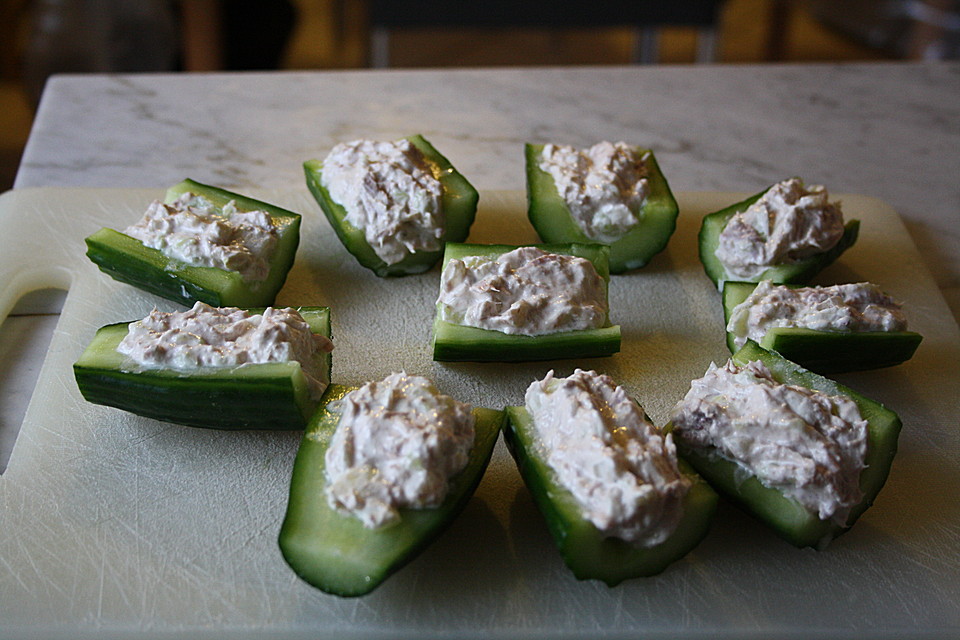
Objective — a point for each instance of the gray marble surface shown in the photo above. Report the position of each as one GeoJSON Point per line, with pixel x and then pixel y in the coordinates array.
{"type": "Point", "coordinates": [887, 130]}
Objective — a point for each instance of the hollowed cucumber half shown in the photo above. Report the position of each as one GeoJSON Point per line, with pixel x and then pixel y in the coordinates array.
{"type": "Point", "coordinates": [334, 551]}
{"type": "Point", "coordinates": [459, 204]}
{"type": "Point", "coordinates": [825, 351]}
{"type": "Point", "coordinates": [251, 396]}
{"type": "Point", "coordinates": [799, 272]}
{"type": "Point", "coordinates": [453, 342]}
{"type": "Point", "coordinates": [788, 518]}
{"type": "Point", "coordinates": [585, 550]}
{"type": "Point", "coordinates": [128, 260]}
{"type": "Point", "coordinates": [551, 217]}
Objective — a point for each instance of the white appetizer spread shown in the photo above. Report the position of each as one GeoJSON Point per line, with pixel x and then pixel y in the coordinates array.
{"type": "Point", "coordinates": [843, 307]}
{"type": "Point", "coordinates": [192, 231]}
{"type": "Point", "coordinates": [389, 191]}
{"type": "Point", "coordinates": [208, 336]}
{"type": "Point", "coordinates": [603, 186]}
{"type": "Point", "coordinates": [809, 445]}
{"type": "Point", "coordinates": [787, 224]}
{"type": "Point", "coordinates": [525, 291]}
{"type": "Point", "coordinates": [620, 469]}
{"type": "Point", "coordinates": [397, 444]}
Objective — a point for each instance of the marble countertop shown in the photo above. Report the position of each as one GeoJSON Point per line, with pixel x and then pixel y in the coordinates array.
{"type": "Point", "coordinates": [889, 130]}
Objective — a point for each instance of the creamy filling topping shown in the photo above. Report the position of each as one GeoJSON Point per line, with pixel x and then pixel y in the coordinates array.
{"type": "Point", "coordinates": [390, 191]}
{"type": "Point", "coordinates": [604, 186]}
{"type": "Point", "coordinates": [620, 469]}
{"type": "Point", "coordinates": [809, 445]}
{"type": "Point", "coordinates": [191, 230]}
{"type": "Point", "coordinates": [787, 224]}
{"type": "Point", "coordinates": [843, 307]}
{"type": "Point", "coordinates": [525, 291]}
{"type": "Point", "coordinates": [206, 336]}
{"type": "Point", "coordinates": [397, 444]}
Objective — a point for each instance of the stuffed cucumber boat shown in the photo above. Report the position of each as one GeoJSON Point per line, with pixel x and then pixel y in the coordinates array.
{"type": "Point", "coordinates": [820, 350]}
{"type": "Point", "coordinates": [654, 215]}
{"type": "Point", "coordinates": [192, 264]}
{"type": "Point", "coordinates": [615, 499]}
{"type": "Point", "coordinates": [794, 265]}
{"type": "Point", "coordinates": [476, 286]}
{"type": "Point", "coordinates": [783, 505]}
{"type": "Point", "coordinates": [422, 202]}
{"type": "Point", "coordinates": [268, 395]}
{"type": "Point", "coordinates": [334, 550]}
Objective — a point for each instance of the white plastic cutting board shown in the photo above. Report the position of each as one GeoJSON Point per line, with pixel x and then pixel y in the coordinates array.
{"type": "Point", "coordinates": [114, 525]}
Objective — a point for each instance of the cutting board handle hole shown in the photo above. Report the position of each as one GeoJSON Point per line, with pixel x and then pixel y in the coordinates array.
{"type": "Point", "coordinates": [27, 331]}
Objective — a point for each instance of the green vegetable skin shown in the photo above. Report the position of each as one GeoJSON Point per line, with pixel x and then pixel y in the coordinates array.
{"type": "Point", "coordinates": [550, 216]}
{"type": "Point", "coordinates": [335, 552]}
{"type": "Point", "coordinates": [253, 396]}
{"type": "Point", "coordinates": [786, 516]}
{"type": "Point", "coordinates": [128, 260]}
{"type": "Point", "coordinates": [586, 551]}
{"type": "Point", "coordinates": [826, 351]}
{"type": "Point", "coordinates": [459, 203]}
{"type": "Point", "coordinates": [452, 342]}
{"type": "Point", "coordinates": [799, 272]}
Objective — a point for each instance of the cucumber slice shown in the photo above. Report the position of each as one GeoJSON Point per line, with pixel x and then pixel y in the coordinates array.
{"type": "Point", "coordinates": [550, 216]}
{"type": "Point", "coordinates": [456, 343]}
{"type": "Point", "coordinates": [128, 260]}
{"type": "Point", "coordinates": [791, 520]}
{"type": "Point", "coordinates": [453, 342]}
{"type": "Point", "coordinates": [254, 396]}
{"type": "Point", "coordinates": [585, 550]}
{"type": "Point", "coordinates": [826, 351]}
{"type": "Point", "coordinates": [335, 552]}
{"type": "Point", "coordinates": [799, 272]}
{"type": "Point", "coordinates": [459, 202]}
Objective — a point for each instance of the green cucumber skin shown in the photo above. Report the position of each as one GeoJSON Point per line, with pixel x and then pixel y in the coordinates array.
{"type": "Point", "coordinates": [456, 343]}
{"type": "Point", "coordinates": [826, 351]}
{"type": "Point", "coordinates": [551, 217]}
{"type": "Point", "coordinates": [262, 396]}
{"type": "Point", "coordinates": [459, 202]}
{"type": "Point", "coordinates": [335, 552]}
{"type": "Point", "coordinates": [787, 517]}
{"type": "Point", "coordinates": [800, 272]}
{"type": "Point", "coordinates": [585, 550]}
{"type": "Point", "coordinates": [128, 260]}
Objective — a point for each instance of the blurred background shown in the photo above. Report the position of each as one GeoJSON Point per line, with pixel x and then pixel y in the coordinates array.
{"type": "Point", "coordinates": [43, 37]}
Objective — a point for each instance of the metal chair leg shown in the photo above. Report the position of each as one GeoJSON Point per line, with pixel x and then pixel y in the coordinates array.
{"type": "Point", "coordinates": [379, 47]}
{"type": "Point", "coordinates": [646, 45]}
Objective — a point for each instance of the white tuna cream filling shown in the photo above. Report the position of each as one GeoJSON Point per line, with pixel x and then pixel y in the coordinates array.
{"type": "Point", "coordinates": [192, 231]}
{"type": "Point", "coordinates": [388, 190]}
{"type": "Point", "coordinates": [524, 291]}
{"type": "Point", "coordinates": [208, 336]}
{"type": "Point", "coordinates": [397, 444]}
{"type": "Point", "coordinates": [843, 307]}
{"type": "Point", "coordinates": [604, 186]}
{"type": "Point", "coordinates": [809, 445]}
{"type": "Point", "coordinates": [620, 469]}
{"type": "Point", "coordinates": [787, 224]}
